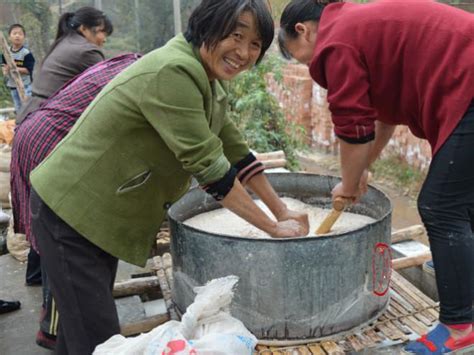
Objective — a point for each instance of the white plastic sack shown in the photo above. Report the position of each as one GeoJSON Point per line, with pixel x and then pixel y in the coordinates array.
{"type": "Point", "coordinates": [17, 245]}
{"type": "Point", "coordinates": [206, 328]}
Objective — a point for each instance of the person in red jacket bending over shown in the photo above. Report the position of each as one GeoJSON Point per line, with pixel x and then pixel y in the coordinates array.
{"type": "Point", "coordinates": [411, 63]}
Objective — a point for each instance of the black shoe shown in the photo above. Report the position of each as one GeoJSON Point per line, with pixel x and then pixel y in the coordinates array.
{"type": "Point", "coordinates": [34, 283]}
{"type": "Point", "coordinates": [6, 306]}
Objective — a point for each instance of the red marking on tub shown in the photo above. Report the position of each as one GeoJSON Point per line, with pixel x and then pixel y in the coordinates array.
{"type": "Point", "coordinates": [381, 269]}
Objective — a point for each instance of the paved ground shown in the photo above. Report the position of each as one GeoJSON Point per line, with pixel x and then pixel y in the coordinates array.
{"type": "Point", "coordinates": [18, 329]}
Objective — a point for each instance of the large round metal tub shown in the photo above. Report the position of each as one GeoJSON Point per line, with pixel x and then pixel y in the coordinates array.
{"type": "Point", "coordinates": [296, 289]}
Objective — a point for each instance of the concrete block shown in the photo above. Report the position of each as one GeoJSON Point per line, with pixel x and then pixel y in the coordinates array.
{"type": "Point", "coordinates": [423, 280]}
{"type": "Point", "coordinates": [155, 307]}
{"type": "Point", "coordinates": [130, 309]}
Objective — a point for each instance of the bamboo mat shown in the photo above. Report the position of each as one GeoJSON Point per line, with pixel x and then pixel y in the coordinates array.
{"type": "Point", "coordinates": [409, 314]}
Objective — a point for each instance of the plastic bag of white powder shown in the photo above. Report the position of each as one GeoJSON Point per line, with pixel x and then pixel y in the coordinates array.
{"type": "Point", "coordinates": [206, 328]}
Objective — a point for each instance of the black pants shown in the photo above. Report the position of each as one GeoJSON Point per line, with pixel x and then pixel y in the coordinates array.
{"type": "Point", "coordinates": [81, 277]}
{"type": "Point", "coordinates": [33, 268]}
{"type": "Point", "coordinates": [49, 319]}
{"type": "Point", "coordinates": [446, 206]}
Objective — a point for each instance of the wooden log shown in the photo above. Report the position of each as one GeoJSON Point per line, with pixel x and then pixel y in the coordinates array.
{"type": "Point", "coordinates": [274, 163]}
{"type": "Point", "coordinates": [13, 68]}
{"type": "Point", "coordinates": [355, 342]}
{"type": "Point", "coordinates": [365, 340]}
{"type": "Point", "coordinates": [163, 242]}
{"type": "Point", "coordinates": [426, 301]}
{"type": "Point", "coordinates": [374, 337]}
{"type": "Point", "coordinates": [398, 333]}
{"type": "Point", "coordinates": [279, 154]}
{"type": "Point", "coordinates": [332, 348]}
{"type": "Point", "coordinates": [159, 266]}
{"type": "Point", "coordinates": [419, 297]}
{"type": "Point", "coordinates": [136, 286]}
{"type": "Point", "coordinates": [262, 350]}
{"type": "Point", "coordinates": [316, 349]}
{"type": "Point", "coordinates": [301, 350]}
{"type": "Point", "coordinates": [144, 325]}
{"type": "Point", "coordinates": [414, 324]}
{"type": "Point", "coordinates": [409, 261]}
{"type": "Point", "coordinates": [6, 111]}
{"type": "Point", "coordinates": [409, 233]}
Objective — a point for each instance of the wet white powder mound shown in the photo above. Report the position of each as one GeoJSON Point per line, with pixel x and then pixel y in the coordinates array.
{"type": "Point", "coordinates": [224, 222]}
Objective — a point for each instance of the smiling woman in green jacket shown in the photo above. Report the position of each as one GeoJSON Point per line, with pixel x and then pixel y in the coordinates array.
{"type": "Point", "coordinates": [102, 194]}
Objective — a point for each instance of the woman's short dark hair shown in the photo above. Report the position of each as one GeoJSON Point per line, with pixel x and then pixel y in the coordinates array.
{"type": "Point", "coordinates": [87, 16]}
{"type": "Point", "coordinates": [214, 20]}
{"type": "Point", "coordinates": [298, 11]}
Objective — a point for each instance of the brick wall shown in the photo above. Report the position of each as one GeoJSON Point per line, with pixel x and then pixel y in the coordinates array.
{"type": "Point", "coordinates": [304, 102]}
{"type": "Point", "coordinates": [294, 95]}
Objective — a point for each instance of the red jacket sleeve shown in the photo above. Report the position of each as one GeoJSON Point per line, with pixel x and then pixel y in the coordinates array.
{"type": "Point", "coordinates": [342, 71]}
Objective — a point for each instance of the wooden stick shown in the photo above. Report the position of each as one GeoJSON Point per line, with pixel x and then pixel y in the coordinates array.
{"type": "Point", "coordinates": [144, 325]}
{"type": "Point", "coordinates": [136, 286]}
{"type": "Point", "coordinates": [409, 261]}
{"type": "Point", "coordinates": [13, 68]}
{"type": "Point", "coordinates": [159, 266]}
{"type": "Point", "coordinates": [338, 206]}
{"type": "Point", "coordinates": [274, 163]}
{"type": "Point", "coordinates": [408, 233]}
{"type": "Point", "coordinates": [279, 154]}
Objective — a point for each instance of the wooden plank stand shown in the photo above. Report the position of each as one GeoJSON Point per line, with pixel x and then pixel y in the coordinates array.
{"type": "Point", "coordinates": [409, 314]}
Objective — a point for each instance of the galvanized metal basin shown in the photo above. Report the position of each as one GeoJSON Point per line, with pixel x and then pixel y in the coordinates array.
{"type": "Point", "coordinates": [296, 289]}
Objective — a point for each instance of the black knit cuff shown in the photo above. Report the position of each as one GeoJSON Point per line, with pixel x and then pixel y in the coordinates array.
{"type": "Point", "coordinates": [222, 187]}
{"type": "Point", "coordinates": [248, 167]}
{"type": "Point", "coordinates": [360, 140]}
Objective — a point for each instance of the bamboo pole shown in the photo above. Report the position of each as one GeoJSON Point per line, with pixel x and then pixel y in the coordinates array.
{"type": "Point", "coordinates": [409, 261]}
{"type": "Point", "coordinates": [274, 163]}
{"type": "Point", "coordinates": [143, 325]}
{"type": "Point", "coordinates": [409, 233]}
{"type": "Point", "coordinates": [177, 16]}
{"type": "Point", "coordinates": [136, 286]}
{"type": "Point", "coordinates": [278, 154]}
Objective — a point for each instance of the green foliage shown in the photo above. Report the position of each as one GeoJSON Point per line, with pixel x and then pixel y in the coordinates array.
{"type": "Point", "coordinates": [277, 7]}
{"type": "Point", "coordinates": [144, 27]}
{"type": "Point", "coordinates": [5, 97]}
{"type": "Point", "coordinates": [259, 116]}
{"type": "Point", "coordinates": [401, 174]}
{"type": "Point", "coordinates": [36, 17]}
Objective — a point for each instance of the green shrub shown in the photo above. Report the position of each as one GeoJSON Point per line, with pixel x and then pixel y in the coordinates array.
{"type": "Point", "coordinates": [5, 97]}
{"type": "Point", "coordinates": [397, 172]}
{"type": "Point", "coordinates": [259, 116]}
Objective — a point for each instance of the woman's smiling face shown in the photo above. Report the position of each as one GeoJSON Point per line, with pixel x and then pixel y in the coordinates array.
{"type": "Point", "coordinates": [235, 53]}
